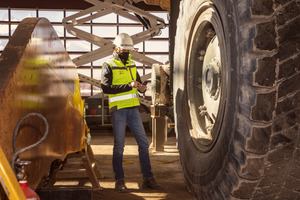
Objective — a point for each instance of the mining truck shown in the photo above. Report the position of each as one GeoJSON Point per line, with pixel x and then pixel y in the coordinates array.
{"type": "Point", "coordinates": [232, 82]}
{"type": "Point", "coordinates": [233, 85]}
{"type": "Point", "coordinates": [234, 79]}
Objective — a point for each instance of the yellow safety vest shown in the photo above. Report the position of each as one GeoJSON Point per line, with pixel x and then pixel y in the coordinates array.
{"type": "Point", "coordinates": [123, 75]}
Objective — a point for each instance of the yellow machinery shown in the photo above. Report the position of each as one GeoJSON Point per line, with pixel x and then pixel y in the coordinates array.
{"type": "Point", "coordinates": [235, 80]}
{"type": "Point", "coordinates": [8, 180]}
{"type": "Point", "coordinates": [37, 75]}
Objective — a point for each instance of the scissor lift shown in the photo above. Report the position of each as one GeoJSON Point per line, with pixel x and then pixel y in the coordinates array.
{"type": "Point", "coordinates": [127, 9]}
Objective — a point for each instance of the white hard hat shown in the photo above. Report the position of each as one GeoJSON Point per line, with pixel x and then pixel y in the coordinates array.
{"type": "Point", "coordinates": [124, 41]}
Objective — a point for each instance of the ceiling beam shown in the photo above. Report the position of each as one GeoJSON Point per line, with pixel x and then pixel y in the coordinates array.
{"type": "Point", "coordinates": [62, 4]}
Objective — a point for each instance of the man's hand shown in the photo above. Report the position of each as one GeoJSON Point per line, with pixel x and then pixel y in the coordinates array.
{"type": "Point", "coordinates": [134, 84]}
{"type": "Point", "coordinates": [140, 87]}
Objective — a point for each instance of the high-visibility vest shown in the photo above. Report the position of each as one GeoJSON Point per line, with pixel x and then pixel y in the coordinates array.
{"type": "Point", "coordinates": [123, 75]}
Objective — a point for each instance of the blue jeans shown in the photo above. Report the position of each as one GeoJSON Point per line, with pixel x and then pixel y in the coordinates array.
{"type": "Point", "coordinates": [132, 118]}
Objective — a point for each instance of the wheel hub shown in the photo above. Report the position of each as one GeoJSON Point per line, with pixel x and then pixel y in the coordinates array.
{"type": "Point", "coordinates": [206, 86]}
{"type": "Point", "coordinates": [212, 78]}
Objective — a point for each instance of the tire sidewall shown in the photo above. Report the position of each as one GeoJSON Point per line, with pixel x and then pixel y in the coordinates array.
{"type": "Point", "coordinates": [203, 168]}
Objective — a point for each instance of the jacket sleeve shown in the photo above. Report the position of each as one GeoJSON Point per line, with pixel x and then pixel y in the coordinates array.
{"type": "Point", "coordinates": [106, 82]}
{"type": "Point", "coordinates": [138, 78]}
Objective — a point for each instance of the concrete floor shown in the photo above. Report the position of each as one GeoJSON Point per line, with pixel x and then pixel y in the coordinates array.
{"type": "Point", "coordinates": [165, 167]}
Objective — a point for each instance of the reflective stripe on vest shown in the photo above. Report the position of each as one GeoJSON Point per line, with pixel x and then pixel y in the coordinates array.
{"type": "Point", "coordinates": [123, 97]}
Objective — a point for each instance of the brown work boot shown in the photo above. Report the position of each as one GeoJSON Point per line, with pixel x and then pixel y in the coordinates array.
{"type": "Point", "coordinates": [120, 186]}
{"type": "Point", "coordinates": [151, 184]}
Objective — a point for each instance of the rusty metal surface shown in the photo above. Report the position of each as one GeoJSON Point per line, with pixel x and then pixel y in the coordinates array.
{"type": "Point", "coordinates": [37, 75]}
{"type": "Point", "coordinates": [164, 4]}
{"type": "Point", "coordinates": [159, 127]}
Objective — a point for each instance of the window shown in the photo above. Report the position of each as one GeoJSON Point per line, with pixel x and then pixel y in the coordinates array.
{"type": "Point", "coordinates": [105, 31]}
{"type": "Point", "coordinates": [3, 43]}
{"type": "Point", "coordinates": [52, 16]}
{"type": "Point", "coordinates": [107, 26]}
{"type": "Point", "coordinates": [59, 30]}
{"type": "Point", "coordinates": [86, 72]}
{"type": "Point", "coordinates": [3, 15]}
{"type": "Point", "coordinates": [78, 45]}
{"type": "Point", "coordinates": [4, 29]}
{"type": "Point", "coordinates": [101, 61]}
{"type": "Point", "coordinates": [130, 30]}
{"type": "Point", "coordinates": [157, 46]}
{"type": "Point", "coordinates": [110, 18]}
{"type": "Point", "coordinates": [97, 74]}
{"type": "Point", "coordinates": [159, 57]}
{"type": "Point", "coordinates": [19, 15]}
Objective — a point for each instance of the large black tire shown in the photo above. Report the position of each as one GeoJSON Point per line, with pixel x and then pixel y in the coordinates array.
{"type": "Point", "coordinates": [237, 98]}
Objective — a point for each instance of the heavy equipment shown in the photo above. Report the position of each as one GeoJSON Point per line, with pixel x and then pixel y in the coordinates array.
{"type": "Point", "coordinates": [38, 76]}
{"type": "Point", "coordinates": [234, 79]}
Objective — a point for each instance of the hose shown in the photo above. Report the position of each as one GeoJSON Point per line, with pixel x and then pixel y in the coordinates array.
{"type": "Point", "coordinates": [16, 152]}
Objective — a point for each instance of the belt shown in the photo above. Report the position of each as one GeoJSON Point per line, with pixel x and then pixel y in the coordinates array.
{"type": "Point", "coordinates": [123, 97]}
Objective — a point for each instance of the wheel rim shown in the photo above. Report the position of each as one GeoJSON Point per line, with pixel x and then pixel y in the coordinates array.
{"type": "Point", "coordinates": [206, 78]}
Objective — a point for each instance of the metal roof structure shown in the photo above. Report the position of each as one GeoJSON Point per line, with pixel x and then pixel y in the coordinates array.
{"type": "Point", "coordinates": [63, 4]}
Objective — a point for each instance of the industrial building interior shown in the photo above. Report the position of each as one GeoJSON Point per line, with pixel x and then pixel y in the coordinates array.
{"type": "Point", "coordinates": [74, 184]}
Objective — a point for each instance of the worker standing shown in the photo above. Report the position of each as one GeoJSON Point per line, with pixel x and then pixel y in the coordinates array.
{"type": "Point", "coordinates": [121, 81]}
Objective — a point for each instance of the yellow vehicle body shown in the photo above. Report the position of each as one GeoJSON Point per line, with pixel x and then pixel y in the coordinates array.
{"type": "Point", "coordinates": [37, 75]}
{"type": "Point", "coordinates": [8, 180]}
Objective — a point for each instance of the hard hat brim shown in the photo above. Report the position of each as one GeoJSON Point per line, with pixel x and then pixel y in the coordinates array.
{"type": "Point", "coordinates": [127, 47]}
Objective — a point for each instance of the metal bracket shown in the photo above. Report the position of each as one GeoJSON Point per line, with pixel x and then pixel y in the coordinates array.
{"type": "Point", "coordinates": [159, 127]}
{"type": "Point", "coordinates": [86, 168]}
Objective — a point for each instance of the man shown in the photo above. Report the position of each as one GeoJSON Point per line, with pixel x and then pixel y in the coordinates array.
{"type": "Point", "coordinates": [121, 81]}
